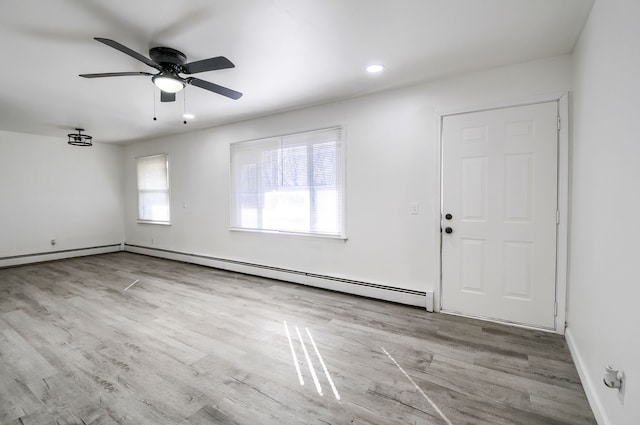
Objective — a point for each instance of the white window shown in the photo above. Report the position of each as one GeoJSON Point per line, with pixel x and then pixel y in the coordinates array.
{"type": "Point", "coordinates": [292, 184]}
{"type": "Point", "coordinates": [153, 188]}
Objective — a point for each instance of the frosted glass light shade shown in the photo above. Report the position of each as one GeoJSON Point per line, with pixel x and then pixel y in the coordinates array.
{"type": "Point", "coordinates": [168, 84]}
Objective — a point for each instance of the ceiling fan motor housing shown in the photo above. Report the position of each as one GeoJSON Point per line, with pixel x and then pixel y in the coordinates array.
{"type": "Point", "coordinates": [167, 56]}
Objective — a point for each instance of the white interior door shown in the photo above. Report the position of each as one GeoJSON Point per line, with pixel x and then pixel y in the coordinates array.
{"type": "Point", "coordinates": [499, 188]}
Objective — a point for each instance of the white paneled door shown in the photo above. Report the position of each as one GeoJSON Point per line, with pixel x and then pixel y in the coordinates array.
{"type": "Point", "coordinates": [499, 213]}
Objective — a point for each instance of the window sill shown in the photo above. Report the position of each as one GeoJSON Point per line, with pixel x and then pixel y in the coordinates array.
{"type": "Point", "coordinates": [294, 234]}
{"type": "Point", "coordinates": [160, 223]}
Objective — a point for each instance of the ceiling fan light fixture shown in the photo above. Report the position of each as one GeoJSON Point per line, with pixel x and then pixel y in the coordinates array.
{"type": "Point", "coordinates": [167, 83]}
{"type": "Point", "coordinates": [79, 139]}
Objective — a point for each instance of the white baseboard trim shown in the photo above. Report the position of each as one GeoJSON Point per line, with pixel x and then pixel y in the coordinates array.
{"type": "Point", "coordinates": [587, 382]}
{"type": "Point", "coordinates": [365, 289]}
{"type": "Point", "coordinates": [39, 257]}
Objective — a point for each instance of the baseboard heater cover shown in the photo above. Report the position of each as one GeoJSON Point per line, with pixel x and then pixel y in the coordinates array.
{"type": "Point", "coordinates": [37, 257]}
{"type": "Point", "coordinates": [367, 289]}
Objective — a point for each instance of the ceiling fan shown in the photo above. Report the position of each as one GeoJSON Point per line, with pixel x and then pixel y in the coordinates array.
{"type": "Point", "coordinates": [170, 63]}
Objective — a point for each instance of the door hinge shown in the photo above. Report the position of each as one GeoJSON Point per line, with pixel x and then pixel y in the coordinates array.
{"type": "Point", "coordinates": [555, 309]}
{"type": "Point", "coordinates": [557, 217]}
{"type": "Point", "coordinates": [558, 122]}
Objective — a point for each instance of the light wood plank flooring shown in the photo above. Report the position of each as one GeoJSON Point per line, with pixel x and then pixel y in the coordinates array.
{"type": "Point", "coordinates": [193, 345]}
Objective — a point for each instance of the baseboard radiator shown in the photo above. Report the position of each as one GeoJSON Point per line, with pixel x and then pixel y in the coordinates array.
{"type": "Point", "coordinates": [366, 289]}
{"type": "Point", "coordinates": [39, 257]}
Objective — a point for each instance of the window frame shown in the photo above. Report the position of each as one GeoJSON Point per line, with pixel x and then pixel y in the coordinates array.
{"type": "Point", "coordinates": [167, 191]}
{"type": "Point", "coordinates": [340, 177]}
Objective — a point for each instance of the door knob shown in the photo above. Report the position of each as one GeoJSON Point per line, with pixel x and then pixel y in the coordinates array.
{"type": "Point", "coordinates": [448, 230]}
{"type": "Point", "coordinates": [448, 216]}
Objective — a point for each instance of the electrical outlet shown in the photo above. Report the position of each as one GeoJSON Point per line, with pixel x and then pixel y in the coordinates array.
{"type": "Point", "coordinates": [415, 209]}
{"type": "Point", "coordinates": [53, 242]}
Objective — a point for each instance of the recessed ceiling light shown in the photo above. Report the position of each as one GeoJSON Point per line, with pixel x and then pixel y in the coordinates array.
{"type": "Point", "coordinates": [375, 68]}
{"type": "Point", "coordinates": [188, 116]}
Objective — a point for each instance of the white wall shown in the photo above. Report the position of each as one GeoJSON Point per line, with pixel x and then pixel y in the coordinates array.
{"type": "Point", "coordinates": [51, 190]}
{"type": "Point", "coordinates": [392, 160]}
{"type": "Point", "coordinates": [604, 287]}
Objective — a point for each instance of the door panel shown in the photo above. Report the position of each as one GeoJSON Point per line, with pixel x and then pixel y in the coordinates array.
{"type": "Point", "coordinates": [499, 183]}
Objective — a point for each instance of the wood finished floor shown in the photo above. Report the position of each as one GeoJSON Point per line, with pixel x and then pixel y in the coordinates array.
{"type": "Point", "coordinates": [194, 345]}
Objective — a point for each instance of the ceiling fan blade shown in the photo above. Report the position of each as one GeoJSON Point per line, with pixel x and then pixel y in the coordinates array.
{"type": "Point", "coordinates": [210, 64]}
{"type": "Point", "coordinates": [115, 74]}
{"type": "Point", "coordinates": [214, 88]}
{"type": "Point", "coordinates": [128, 51]}
{"type": "Point", "coordinates": [167, 97]}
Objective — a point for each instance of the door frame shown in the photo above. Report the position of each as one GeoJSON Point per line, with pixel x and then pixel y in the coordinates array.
{"type": "Point", "coordinates": [563, 197]}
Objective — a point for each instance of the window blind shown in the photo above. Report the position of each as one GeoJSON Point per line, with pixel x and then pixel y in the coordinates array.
{"type": "Point", "coordinates": [292, 183]}
{"type": "Point", "coordinates": [153, 188]}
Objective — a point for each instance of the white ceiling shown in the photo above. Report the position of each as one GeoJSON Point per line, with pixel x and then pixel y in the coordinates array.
{"type": "Point", "coordinates": [288, 54]}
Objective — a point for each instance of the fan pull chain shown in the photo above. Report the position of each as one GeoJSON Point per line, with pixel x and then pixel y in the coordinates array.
{"type": "Point", "coordinates": [154, 105]}
{"type": "Point", "coordinates": [184, 106]}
